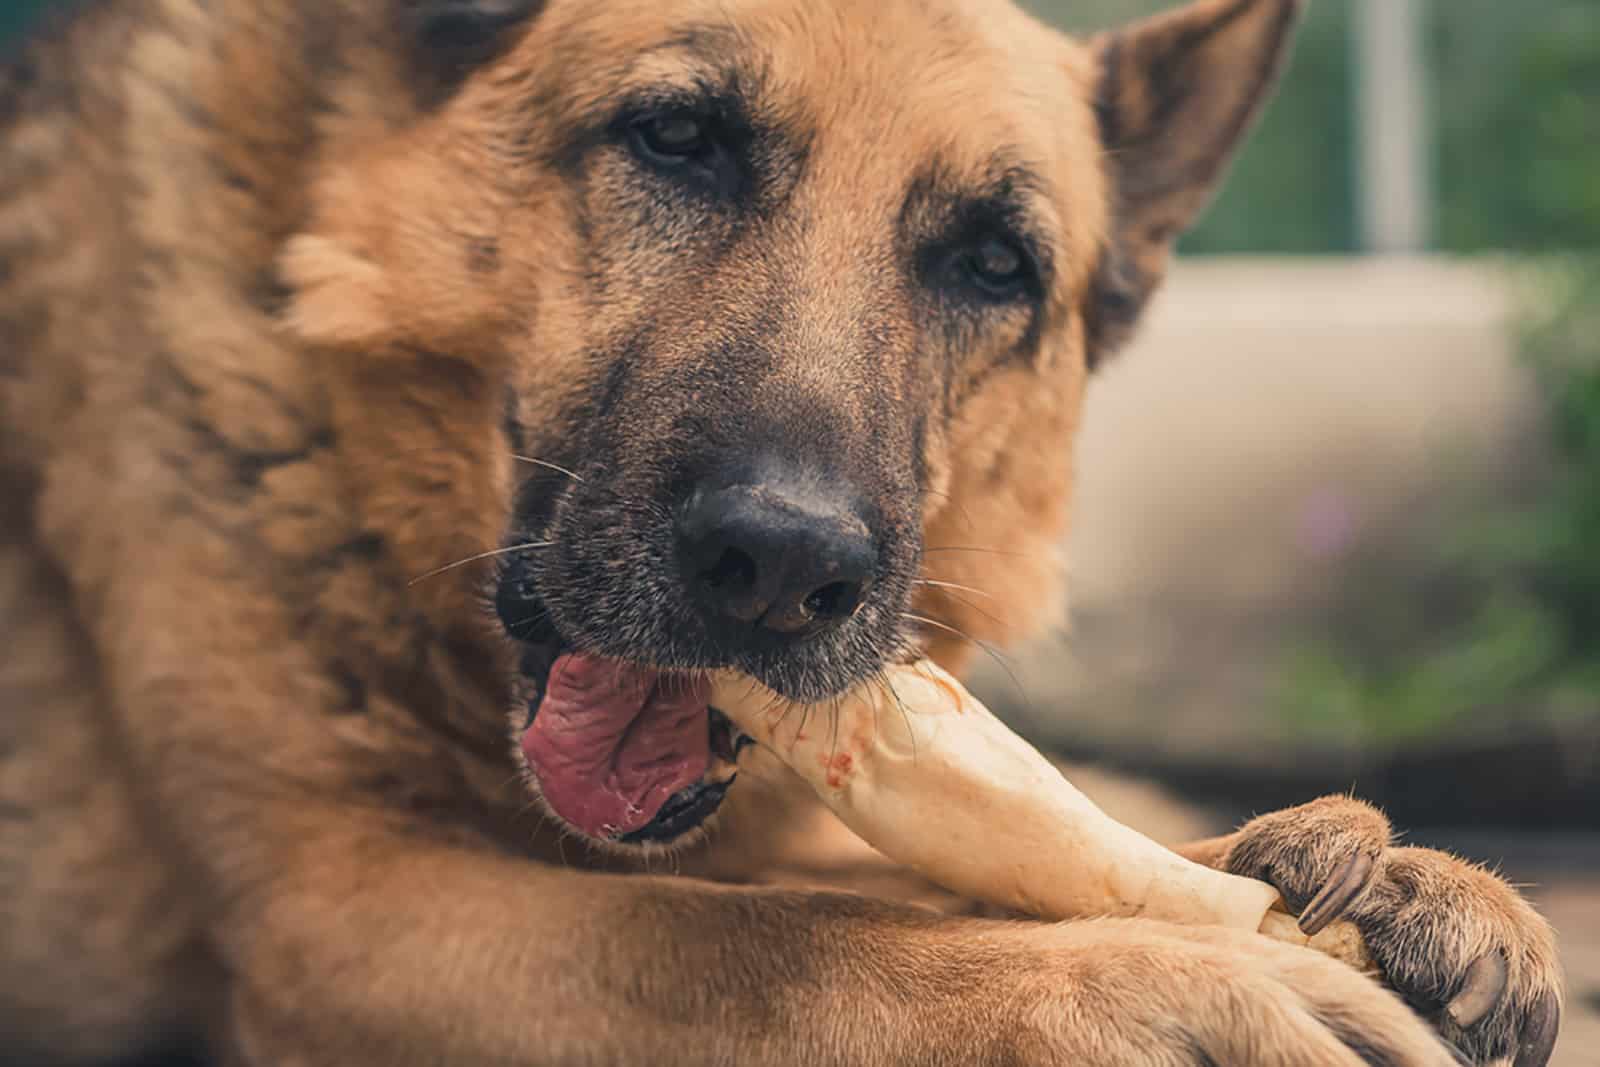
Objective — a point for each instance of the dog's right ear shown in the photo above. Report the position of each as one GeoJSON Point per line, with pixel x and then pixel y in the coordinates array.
{"type": "Point", "coordinates": [452, 38]}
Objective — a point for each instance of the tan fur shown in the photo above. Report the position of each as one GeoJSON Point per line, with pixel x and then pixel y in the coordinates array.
{"type": "Point", "coordinates": [264, 296]}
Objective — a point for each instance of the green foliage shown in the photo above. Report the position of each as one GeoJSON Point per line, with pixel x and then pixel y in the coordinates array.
{"type": "Point", "coordinates": [1518, 87]}
{"type": "Point", "coordinates": [1515, 96]}
{"type": "Point", "coordinates": [1484, 614]}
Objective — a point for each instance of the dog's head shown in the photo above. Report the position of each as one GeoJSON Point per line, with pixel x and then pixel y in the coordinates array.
{"type": "Point", "coordinates": [786, 308]}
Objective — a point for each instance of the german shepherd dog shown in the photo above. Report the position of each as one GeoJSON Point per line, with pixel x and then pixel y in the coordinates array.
{"type": "Point", "coordinates": [405, 402]}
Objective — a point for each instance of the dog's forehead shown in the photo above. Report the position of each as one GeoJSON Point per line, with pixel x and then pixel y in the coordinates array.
{"type": "Point", "coordinates": [884, 91]}
{"type": "Point", "coordinates": [931, 80]}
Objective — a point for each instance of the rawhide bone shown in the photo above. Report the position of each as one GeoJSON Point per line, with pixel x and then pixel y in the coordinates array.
{"type": "Point", "coordinates": [927, 775]}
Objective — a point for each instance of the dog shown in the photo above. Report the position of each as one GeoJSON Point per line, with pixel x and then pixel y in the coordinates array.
{"type": "Point", "coordinates": [407, 402]}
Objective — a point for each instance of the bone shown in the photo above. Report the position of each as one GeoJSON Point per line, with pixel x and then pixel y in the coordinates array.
{"type": "Point", "coordinates": [923, 772]}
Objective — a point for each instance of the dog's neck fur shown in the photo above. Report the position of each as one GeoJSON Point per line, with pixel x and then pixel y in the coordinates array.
{"type": "Point", "coordinates": [182, 227]}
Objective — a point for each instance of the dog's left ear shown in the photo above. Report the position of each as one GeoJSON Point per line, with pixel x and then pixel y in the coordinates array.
{"type": "Point", "coordinates": [451, 38]}
{"type": "Point", "coordinates": [1177, 94]}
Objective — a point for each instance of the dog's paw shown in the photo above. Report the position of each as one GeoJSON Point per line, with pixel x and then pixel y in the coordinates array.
{"type": "Point", "coordinates": [1462, 946]}
{"type": "Point", "coordinates": [1140, 992]}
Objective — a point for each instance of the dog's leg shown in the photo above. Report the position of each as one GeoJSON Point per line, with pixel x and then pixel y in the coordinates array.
{"type": "Point", "coordinates": [98, 948]}
{"type": "Point", "coordinates": [373, 948]}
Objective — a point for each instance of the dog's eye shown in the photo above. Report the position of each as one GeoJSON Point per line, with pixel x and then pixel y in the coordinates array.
{"type": "Point", "coordinates": [671, 139]}
{"type": "Point", "coordinates": [998, 267]}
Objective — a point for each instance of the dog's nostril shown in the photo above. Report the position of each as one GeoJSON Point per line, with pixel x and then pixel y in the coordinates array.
{"type": "Point", "coordinates": [734, 571]}
{"type": "Point", "coordinates": [837, 600]}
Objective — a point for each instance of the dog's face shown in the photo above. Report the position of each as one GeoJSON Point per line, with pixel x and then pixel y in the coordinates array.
{"type": "Point", "coordinates": [803, 297]}
{"type": "Point", "coordinates": [794, 240]}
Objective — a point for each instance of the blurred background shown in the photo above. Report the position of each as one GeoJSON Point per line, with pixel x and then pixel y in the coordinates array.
{"type": "Point", "coordinates": [1338, 524]}
{"type": "Point", "coordinates": [1342, 499]}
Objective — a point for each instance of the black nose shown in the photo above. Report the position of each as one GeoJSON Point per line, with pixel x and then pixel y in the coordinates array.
{"type": "Point", "coordinates": [781, 552]}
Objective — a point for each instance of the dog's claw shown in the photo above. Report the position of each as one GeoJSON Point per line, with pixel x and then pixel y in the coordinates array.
{"type": "Point", "coordinates": [1337, 896]}
{"type": "Point", "coordinates": [1539, 1035]}
{"type": "Point", "coordinates": [1485, 984]}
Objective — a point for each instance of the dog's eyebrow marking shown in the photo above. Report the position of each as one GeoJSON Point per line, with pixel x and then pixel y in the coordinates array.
{"type": "Point", "coordinates": [705, 62]}
{"type": "Point", "coordinates": [701, 58]}
{"type": "Point", "coordinates": [711, 44]}
{"type": "Point", "coordinates": [697, 65]}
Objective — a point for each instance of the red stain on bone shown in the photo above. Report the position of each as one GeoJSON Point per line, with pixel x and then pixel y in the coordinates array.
{"type": "Point", "coordinates": [838, 768]}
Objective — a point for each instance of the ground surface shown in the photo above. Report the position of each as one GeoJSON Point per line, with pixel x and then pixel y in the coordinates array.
{"type": "Point", "coordinates": [1568, 892]}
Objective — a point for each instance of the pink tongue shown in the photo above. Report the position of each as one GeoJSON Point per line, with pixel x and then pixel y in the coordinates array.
{"type": "Point", "coordinates": [612, 742]}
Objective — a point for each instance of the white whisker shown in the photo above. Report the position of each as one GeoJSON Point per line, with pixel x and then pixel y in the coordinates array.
{"type": "Point", "coordinates": [952, 585]}
{"type": "Point", "coordinates": [941, 625]}
{"type": "Point", "coordinates": [547, 465]}
{"type": "Point", "coordinates": [481, 555]}
{"type": "Point", "coordinates": [988, 649]}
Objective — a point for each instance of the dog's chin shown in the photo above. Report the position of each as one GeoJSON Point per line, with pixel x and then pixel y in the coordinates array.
{"type": "Point", "coordinates": [626, 756]}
